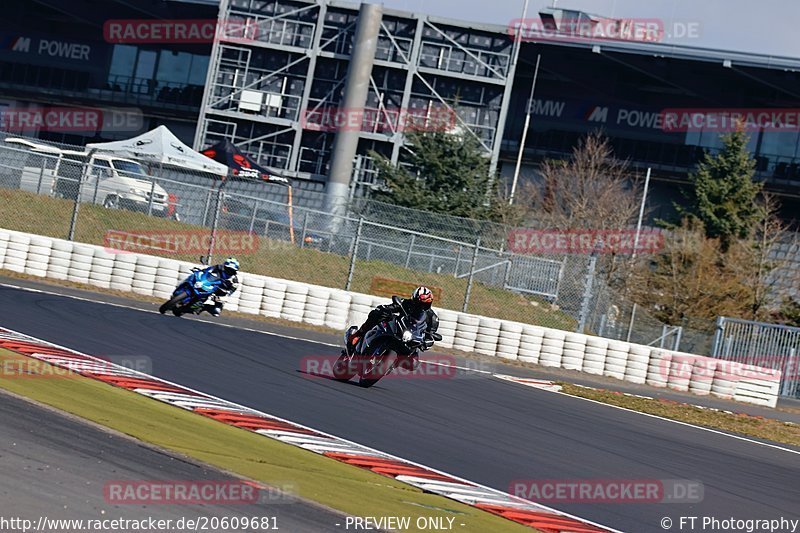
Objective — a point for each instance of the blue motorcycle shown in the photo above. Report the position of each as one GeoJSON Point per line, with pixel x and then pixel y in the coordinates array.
{"type": "Point", "coordinates": [191, 294]}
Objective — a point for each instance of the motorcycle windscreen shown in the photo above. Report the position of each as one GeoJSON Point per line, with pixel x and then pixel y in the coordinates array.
{"type": "Point", "coordinates": [418, 324]}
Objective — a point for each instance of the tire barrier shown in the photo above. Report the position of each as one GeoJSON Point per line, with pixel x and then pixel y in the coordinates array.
{"type": "Point", "coordinates": [574, 351]}
{"type": "Point", "coordinates": [487, 336]}
{"type": "Point", "coordinates": [300, 302]}
{"type": "Point", "coordinates": [552, 347]}
{"type": "Point", "coordinates": [509, 340]}
{"type": "Point", "coordinates": [448, 322]}
{"type": "Point", "coordinates": [616, 359]}
{"type": "Point", "coordinates": [638, 361]}
{"type": "Point", "coordinates": [594, 359]}
{"type": "Point", "coordinates": [658, 368]}
{"type": "Point", "coordinates": [530, 344]}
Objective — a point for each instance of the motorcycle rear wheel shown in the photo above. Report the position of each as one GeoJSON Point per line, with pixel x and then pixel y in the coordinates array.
{"type": "Point", "coordinates": [344, 368]}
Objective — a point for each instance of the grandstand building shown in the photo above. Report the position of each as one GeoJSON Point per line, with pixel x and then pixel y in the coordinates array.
{"type": "Point", "coordinates": [280, 70]}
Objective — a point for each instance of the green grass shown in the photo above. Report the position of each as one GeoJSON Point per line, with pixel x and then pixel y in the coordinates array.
{"type": "Point", "coordinates": [28, 212]}
{"type": "Point", "coordinates": [310, 476]}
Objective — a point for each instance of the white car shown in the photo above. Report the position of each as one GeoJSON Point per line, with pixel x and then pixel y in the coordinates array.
{"type": "Point", "coordinates": [114, 182]}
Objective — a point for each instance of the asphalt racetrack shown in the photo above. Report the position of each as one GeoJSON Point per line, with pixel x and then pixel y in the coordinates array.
{"type": "Point", "coordinates": [474, 426]}
{"type": "Point", "coordinates": [55, 467]}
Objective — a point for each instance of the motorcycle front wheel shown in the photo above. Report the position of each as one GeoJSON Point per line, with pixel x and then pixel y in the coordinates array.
{"type": "Point", "coordinates": [377, 367]}
{"type": "Point", "coordinates": [173, 304]}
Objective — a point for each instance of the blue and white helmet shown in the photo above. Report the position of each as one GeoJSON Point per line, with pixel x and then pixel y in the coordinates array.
{"type": "Point", "coordinates": [230, 266]}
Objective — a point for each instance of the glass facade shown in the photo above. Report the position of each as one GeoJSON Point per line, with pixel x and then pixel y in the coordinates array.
{"type": "Point", "coordinates": [625, 95]}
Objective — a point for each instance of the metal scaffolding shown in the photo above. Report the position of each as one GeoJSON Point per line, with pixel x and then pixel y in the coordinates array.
{"type": "Point", "coordinates": [278, 71]}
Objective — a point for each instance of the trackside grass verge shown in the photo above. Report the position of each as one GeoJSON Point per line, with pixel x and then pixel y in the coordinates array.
{"type": "Point", "coordinates": [313, 477]}
{"type": "Point", "coordinates": [51, 217]}
{"type": "Point", "coordinates": [740, 423]}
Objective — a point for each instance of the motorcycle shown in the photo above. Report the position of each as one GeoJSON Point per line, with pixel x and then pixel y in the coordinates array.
{"type": "Point", "coordinates": [389, 344]}
{"type": "Point", "coordinates": [191, 294]}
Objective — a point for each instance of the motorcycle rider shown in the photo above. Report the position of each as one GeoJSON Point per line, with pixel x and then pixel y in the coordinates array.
{"type": "Point", "coordinates": [230, 282]}
{"type": "Point", "coordinates": [420, 301]}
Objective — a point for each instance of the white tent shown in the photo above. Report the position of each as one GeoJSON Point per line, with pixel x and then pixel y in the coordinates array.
{"type": "Point", "coordinates": [161, 146]}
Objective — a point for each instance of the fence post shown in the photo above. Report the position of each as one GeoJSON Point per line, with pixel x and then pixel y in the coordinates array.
{"type": "Point", "coordinates": [41, 177]}
{"type": "Point", "coordinates": [410, 251]}
{"type": "Point", "coordinates": [587, 294]}
{"type": "Point", "coordinates": [152, 194]}
{"type": "Point", "coordinates": [354, 254]}
{"type": "Point", "coordinates": [507, 275]}
{"type": "Point", "coordinates": [458, 261]}
{"type": "Point", "coordinates": [217, 209]}
{"type": "Point", "coordinates": [253, 219]}
{"type": "Point", "coordinates": [677, 343]}
{"type": "Point", "coordinates": [471, 275]}
{"type": "Point", "coordinates": [207, 207]}
{"type": "Point", "coordinates": [305, 229]}
{"type": "Point", "coordinates": [74, 220]}
{"type": "Point", "coordinates": [718, 331]}
{"type": "Point", "coordinates": [630, 324]}
{"type": "Point", "coordinates": [96, 188]}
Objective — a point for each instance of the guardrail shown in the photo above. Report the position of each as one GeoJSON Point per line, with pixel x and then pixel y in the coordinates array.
{"type": "Point", "coordinates": [299, 302]}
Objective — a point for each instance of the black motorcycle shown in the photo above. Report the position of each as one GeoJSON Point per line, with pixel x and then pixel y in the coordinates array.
{"type": "Point", "coordinates": [393, 342]}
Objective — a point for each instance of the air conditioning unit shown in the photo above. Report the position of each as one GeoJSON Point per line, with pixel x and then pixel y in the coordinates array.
{"type": "Point", "coordinates": [251, 101]}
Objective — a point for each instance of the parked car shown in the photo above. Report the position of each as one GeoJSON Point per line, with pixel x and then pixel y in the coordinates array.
{"type": "Point", "coordinates": [271, 221]}
{"type": "Point", "coordinates": [114, 182]}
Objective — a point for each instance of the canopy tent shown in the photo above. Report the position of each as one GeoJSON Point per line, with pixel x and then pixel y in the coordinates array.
{"type": "Point", "coordinates": [242, 165]}
{"type": "Point", "coordinates": [245, 168]}
{"type": "Point", "coordinates": [161, 146]}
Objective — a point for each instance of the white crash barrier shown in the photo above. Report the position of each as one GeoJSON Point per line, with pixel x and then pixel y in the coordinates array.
{"type": "Point", "coordinates": [638, 360]}
{"type": "Point", "coordinates": [658, 368]}
{"type": "Point", "coordinates": [338, 309]}
{"type": "Point", "coordinates": [81, 263]}
{"type": "Point", "coordinates": [300, 302]}
{"type": "Point", "coordinates": [102, 267]}
{"type": "Point", "coordinates": [530, 344]}
{"type": "Point", "coordinates": [574, 351]}
{"type": "Point", "coordinates": [487, 336]}
{"type": "Point", "coordinates": [38, 256]}
{"type": "Point", "coordinates": [552, 347]}
{"type": "Point", "coordinates": [17, 252]}
{"type": "Point", "coordinates": [594, 359]}
{"type": "Point", "coordinates": [294, 302]}
{"type": "Point", "coordinates": [466, 332]}
{"type": "Point", "coordinates": [252, 292]}
{"type": "Point", "coordinates": [144, 278]}
{"type": "Point", "coordinates": [123, 272]}
{"type": "Point", "coordinates": [316, 306]}
{"type": "Point", "coordinates": [274, 295]}
{"type": "Point", "coordinates": [616, 359]}
{"type": "Point", "coordinates": [448, 322]}
{"type": "Point", "coordinates": [509, 340]}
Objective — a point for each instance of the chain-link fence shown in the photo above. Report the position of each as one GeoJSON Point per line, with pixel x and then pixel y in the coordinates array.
{"type": "Point", "coordinates": [377, 248]}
